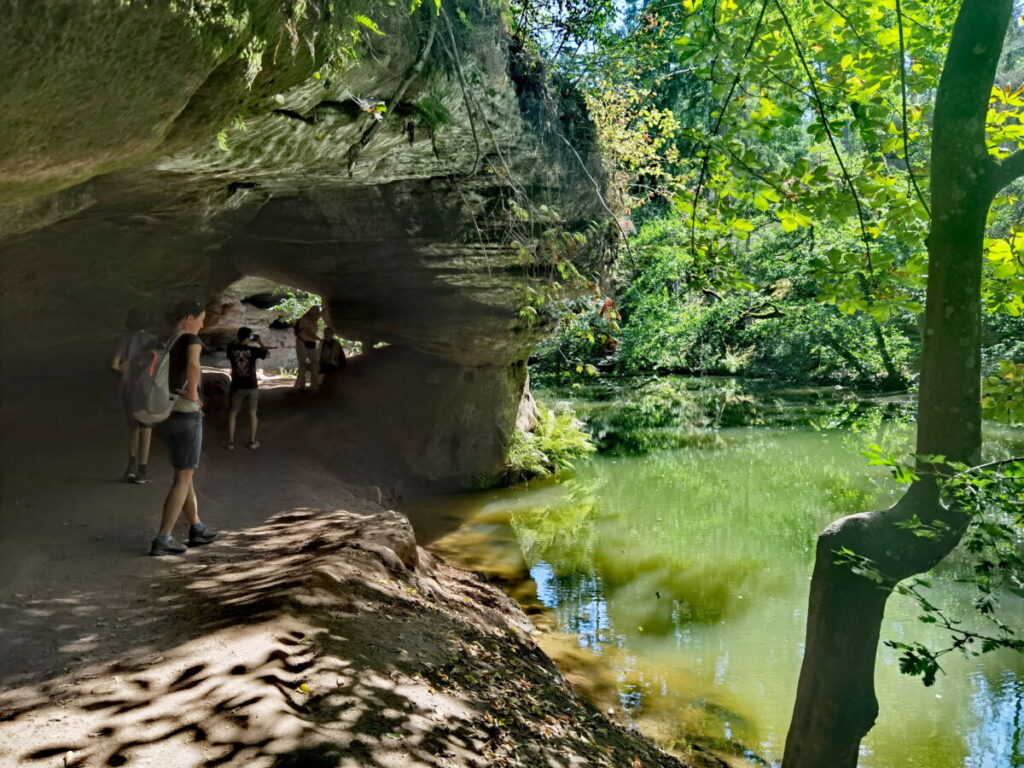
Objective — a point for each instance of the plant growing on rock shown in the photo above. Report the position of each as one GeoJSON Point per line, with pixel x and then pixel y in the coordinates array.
{"type": "Point", "coordinates": [555, 443]}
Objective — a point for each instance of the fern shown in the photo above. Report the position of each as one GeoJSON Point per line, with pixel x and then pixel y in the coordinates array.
{"type": "Point", "coordinates": [366, 21]}
{"type": "Point", "coordinates": [554, 445]}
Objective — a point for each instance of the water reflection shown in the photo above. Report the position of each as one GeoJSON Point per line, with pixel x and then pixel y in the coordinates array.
{"type": "Point", "coordinates": [686, 572]}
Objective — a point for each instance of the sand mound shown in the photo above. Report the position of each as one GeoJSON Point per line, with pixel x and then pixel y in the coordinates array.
{"type": "Point", "coordinates": [322, 638]}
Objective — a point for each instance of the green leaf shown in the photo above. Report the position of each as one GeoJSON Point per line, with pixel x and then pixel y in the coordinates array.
{"type": "Point", "coordinates": [367, 22]}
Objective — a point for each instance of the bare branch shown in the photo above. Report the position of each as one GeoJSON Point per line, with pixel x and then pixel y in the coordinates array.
{"type": "Point", "coordinates": [903, 102]}
{"type": "Point", "coordinates": [718, 125]}
{"type": "Point", "coordinates": [820, 108]}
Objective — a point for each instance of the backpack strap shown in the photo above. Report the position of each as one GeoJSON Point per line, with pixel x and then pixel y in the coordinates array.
{"type": "Point", "coordinates": [174, 338]}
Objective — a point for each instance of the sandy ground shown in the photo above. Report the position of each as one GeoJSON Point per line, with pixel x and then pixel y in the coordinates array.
{"type": "Point", "coordinates": [312, 633]}
{"type": "Point", "coordinates": [73, 533]}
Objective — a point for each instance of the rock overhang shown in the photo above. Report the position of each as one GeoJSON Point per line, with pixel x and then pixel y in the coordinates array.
{"type": "Point", "coordinates": [412, 221]}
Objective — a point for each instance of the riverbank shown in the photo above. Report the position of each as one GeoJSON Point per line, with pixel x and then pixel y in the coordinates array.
{"type": "Point", "coordinates": [322, 638]}
{"type": "Point", "coordinates": [314, 632]}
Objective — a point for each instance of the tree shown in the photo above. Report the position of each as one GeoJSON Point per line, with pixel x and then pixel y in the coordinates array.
{"type": "Point", "coordinates": [910, 173]}
{"type": "Point", "coordinates": [836, 704]}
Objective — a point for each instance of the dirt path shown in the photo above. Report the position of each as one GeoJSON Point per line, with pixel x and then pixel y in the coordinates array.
{"type": "Point", "coordinates": [74, 534]}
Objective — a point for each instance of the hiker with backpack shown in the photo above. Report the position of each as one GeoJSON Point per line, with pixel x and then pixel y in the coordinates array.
{"type": "Point", "coordinates": [137, 340]}
{"type": "Point", "coordinates": [306, 339]}
{"type": "Point", "coordinates": [242, 355]}
{"type": "Point", "coordinates": [176, 375]}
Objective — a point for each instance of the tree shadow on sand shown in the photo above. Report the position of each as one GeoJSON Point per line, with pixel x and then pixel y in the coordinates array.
{"type": "Point", "coordinates": [321, 639]}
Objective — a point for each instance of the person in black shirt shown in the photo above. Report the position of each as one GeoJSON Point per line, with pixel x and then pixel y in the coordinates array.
{"type": "Point", "coordinates": [183, 431]}
{"type": "Point", "coordinates": [242, 355]}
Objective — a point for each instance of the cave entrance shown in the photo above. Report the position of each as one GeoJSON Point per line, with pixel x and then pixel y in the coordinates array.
{"type": "Point", "coordinates": [270, 309]}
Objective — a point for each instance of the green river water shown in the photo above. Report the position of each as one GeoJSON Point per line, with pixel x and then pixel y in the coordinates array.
{"type": "Point", "coordinates": [686, 569]}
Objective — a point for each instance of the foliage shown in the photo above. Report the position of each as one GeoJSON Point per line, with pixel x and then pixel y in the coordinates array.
{"type": "Point", "coordinates": [555, 443]}
{"type": "Point", "coordinates": [737, 124]}
{"type": "Point", "coordinates": [294, 304]}
{"type": "Point", "coordinates": [585, 338]}
{"type": "Point", "coordinates": [636, 415]}
{"type": "Point", "coordinates": [432, 112]}
{"type": "Point", "coordinates": [765, 317]}
{"type": "Point", "coordinates": [1003, 398]}
{"type": "Point", "coordinates": [637, 138]}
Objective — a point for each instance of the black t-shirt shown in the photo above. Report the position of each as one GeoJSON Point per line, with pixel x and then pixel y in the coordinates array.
{"type": "Point", "coordinates": [243, 364]}
{"type": "Point", "coordinates": [177, 371]}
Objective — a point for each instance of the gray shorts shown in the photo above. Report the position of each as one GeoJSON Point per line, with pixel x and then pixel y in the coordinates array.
{"type": "Point", "coordinates": [184, 435]}
{"type": "Point", "coordinates": [242, 399]}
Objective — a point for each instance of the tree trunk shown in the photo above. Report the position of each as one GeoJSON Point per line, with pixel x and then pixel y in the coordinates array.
{"type": "Point", "coordinates": [893, 378]}
{"type": "Point", "coordinates": [836, 705]}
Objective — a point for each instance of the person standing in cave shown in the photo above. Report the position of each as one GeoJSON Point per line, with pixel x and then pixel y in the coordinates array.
{"type": "Point", "coordinates": [243, 354]}
{"type": "Point", "coordinates": [183, 431]}
{"type": "Point", "coordinates": [306, 338]}
{"type": "Point", "coordinates": [332, 354]}
{"type": "Point", "coordinates": [136, 340]}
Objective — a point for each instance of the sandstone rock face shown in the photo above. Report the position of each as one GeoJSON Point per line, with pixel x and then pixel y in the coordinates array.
{"type": "Point", "coordinates": [231, 310]}
{"type": "Point", "coordinates": [151, 152]}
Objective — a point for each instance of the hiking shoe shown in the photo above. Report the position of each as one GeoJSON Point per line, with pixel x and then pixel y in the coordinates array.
{"type": "Point", "coordinates": [140, 477]}
{"type": "Point", "coordinates": [254, 445]}
{"type": "Point", "coordinates": [197, 538]}
{"type": "Point", "coordinates": [168, 546]}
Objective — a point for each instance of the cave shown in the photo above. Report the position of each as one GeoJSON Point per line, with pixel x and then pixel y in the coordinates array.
{"type": "Point", "coordinates": [425, 240]}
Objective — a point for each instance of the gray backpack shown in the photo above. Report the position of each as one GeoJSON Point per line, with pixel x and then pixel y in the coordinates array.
{"type": "Point", "coordinates": [150, 399]}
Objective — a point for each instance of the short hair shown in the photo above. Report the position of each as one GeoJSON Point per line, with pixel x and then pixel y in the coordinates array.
{"type": "Point", "coordinates": [244, 333]}
{"type": "Point", "coordinates": [138, 319]}
{"type": "Point", "coordinates": [186, 308]}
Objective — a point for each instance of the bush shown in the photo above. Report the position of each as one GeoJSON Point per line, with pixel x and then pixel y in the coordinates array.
{"type": "Point", "coordinates": [557, 441]}
{"type": "Point", "coordinates": [1003, 340]}
{"type": "Point", "coordinates": [294, 304]}
{"type": "Point", "coordinates": [584, 340]}
{"type": "Point", "coordinates": [769, 318]}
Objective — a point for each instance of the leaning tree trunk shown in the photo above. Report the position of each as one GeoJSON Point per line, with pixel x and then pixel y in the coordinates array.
{"type": "Point", "coordinates": [836, 704]}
